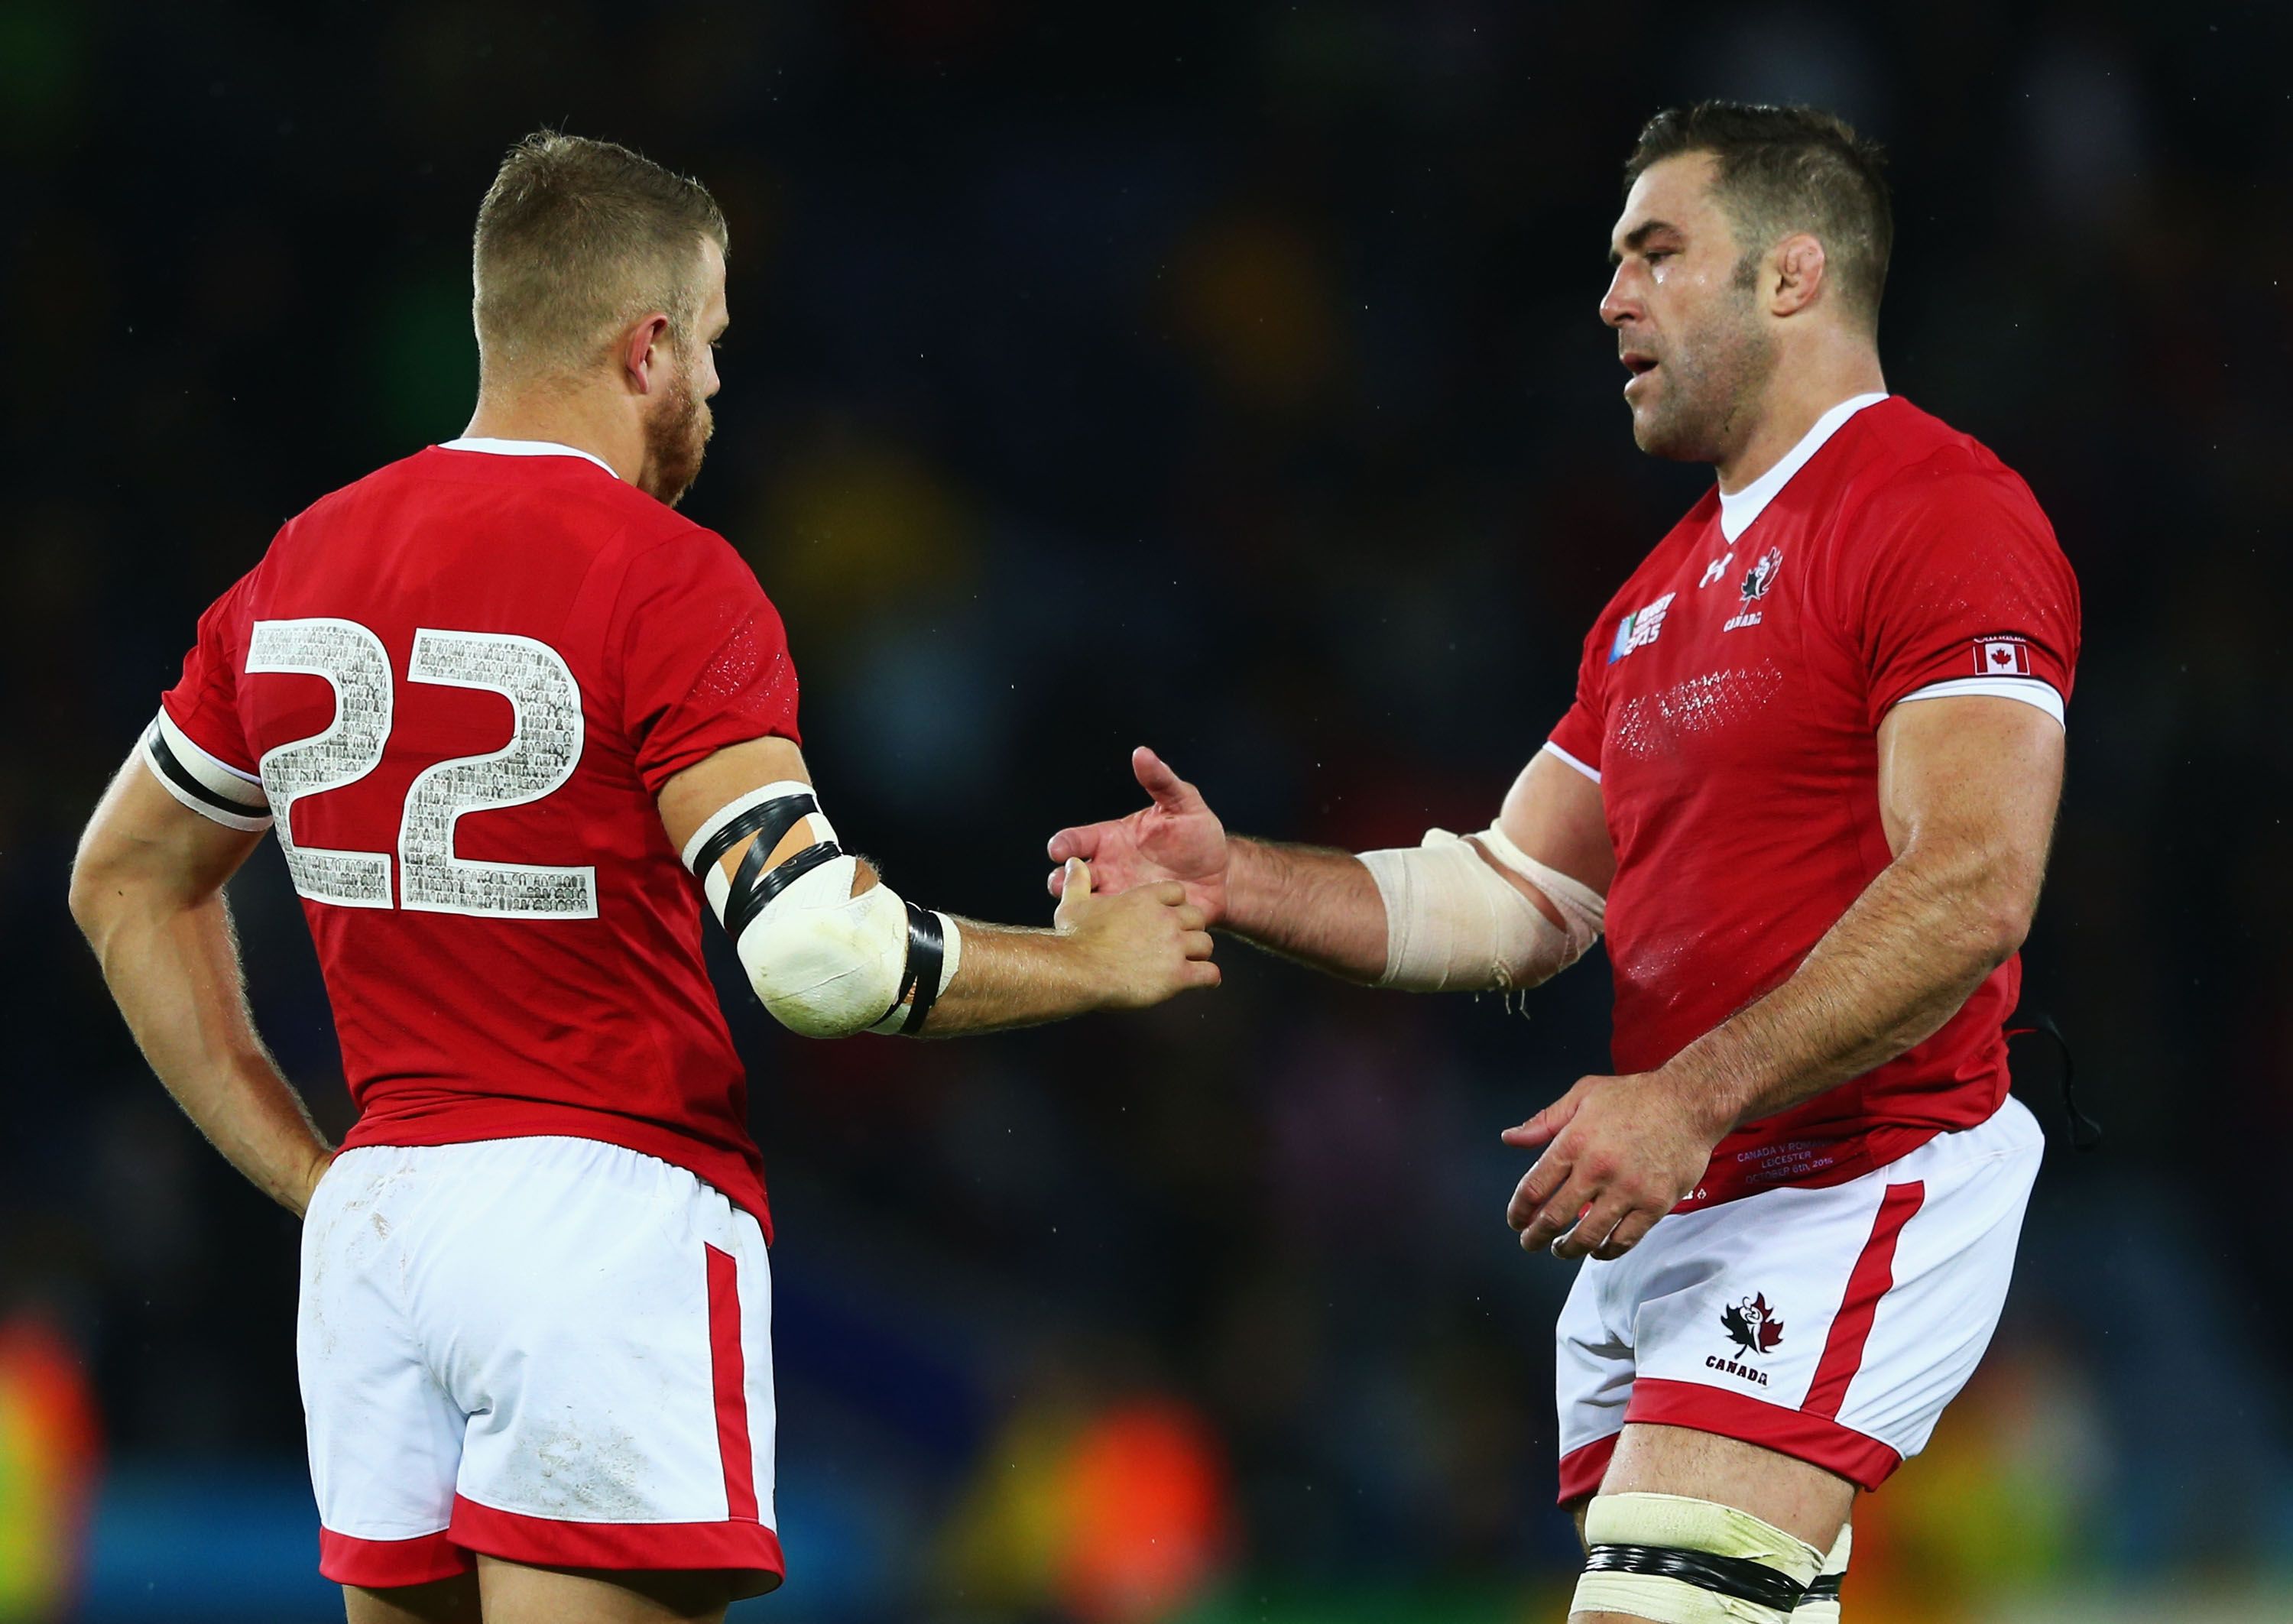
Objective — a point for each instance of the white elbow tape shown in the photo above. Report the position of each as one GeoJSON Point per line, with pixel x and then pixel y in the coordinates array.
{"type": "Point", "coordinates": [825, 963]}
{"type": "Point", "coordinates": [1454, 922]}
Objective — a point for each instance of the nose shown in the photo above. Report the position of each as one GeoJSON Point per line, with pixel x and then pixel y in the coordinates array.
{"type": "Point", "coordinates": [1622, 302]}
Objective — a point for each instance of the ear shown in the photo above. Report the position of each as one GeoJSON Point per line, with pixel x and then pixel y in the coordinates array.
{"type": "Point", "coordinates": [1799, 270]}
{"type": "Point", "coordinates": [645, 348]}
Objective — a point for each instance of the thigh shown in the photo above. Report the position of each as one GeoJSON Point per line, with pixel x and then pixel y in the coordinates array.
{"type": "Point", "coordinates": [385, 1439]}
{"type": "Point", "coordinates": [447, 1600]}
{"type": "Point", "coordinates": [1592, 1374]}
{"type": "Point", "coordinates": [1832, 1326]}
{"type": "Point", "coordinates": [517, 1593]}
{"type": "Point", "coordinates": [604, 1318]}
{"type": "Point", "coordinates": [1805, 1501]}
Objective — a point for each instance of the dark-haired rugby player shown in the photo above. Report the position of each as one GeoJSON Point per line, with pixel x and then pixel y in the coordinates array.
{"type": "Point", "coordinates": [1806, 786]}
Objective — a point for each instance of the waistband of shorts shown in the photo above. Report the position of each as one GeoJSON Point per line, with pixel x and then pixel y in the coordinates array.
{"type": "Point", "coordinates": [731, 1175]}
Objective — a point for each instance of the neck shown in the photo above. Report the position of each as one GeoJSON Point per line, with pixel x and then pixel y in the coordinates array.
{"type": "Point", "coordinates": [1804, 387]}
{"type": "Point", "coordinates": [568, 418]}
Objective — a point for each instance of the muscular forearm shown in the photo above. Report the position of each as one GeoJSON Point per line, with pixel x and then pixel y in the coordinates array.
{"type": "Point", "coordinates": [176, 975]}
{"type": "Point", "coordinates": [1899, 963]}
{"type": "Point", "coordinates": [1317, 905]}
{"type": "Point", "coordinates": [1011, 977]}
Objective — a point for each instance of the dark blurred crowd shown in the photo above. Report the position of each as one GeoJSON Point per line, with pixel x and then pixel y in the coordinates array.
{"type": "Point", "coordinates": [1226, 378]}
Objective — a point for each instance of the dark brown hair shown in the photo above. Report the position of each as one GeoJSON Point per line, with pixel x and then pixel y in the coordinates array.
{"type": "Point", "coordinates": [576, 237]}
{"type": "Point", "coordinates": [1786, 169]}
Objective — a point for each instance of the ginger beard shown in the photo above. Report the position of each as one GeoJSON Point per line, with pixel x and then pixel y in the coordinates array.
{"type": "Point", "coordinates": [676, 437]}
{"type": "Point", "coordinates": [1709, 378]}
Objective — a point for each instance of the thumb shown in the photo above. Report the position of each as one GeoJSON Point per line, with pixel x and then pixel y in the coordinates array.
{"type": "Point", "coordinates": [1072, 885]}
{"type": "Point", "coordinates": [1545, 1126]}
{"type": "Point", "coordinates": [1169, 791]}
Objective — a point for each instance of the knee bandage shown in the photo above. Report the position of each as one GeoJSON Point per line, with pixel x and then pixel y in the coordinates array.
{"type": "Point", "coordinates": [825, 963]}
{"type": "Point", "coordinates": [1455, 924]}
{"type": "Point", "coordinates": [1678, 1560]}
{"type": "Point", "coordinates": [1820, 1604]}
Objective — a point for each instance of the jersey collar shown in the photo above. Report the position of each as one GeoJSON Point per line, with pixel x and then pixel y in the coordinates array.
{"type": "Point", "coordinates": [523, 448]}
{"type": "Point", "coordinates": [1737, 511]}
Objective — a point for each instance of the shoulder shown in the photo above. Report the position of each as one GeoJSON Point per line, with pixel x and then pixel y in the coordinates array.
{"type": "Point", "coordinates": [360, 495]}
{"type": "Point", "coordinates": [1914, 459]}
{"type": "Point", "coordinates": [664, 550]}
{"type": "Point", "coordinates": [1924, 484]}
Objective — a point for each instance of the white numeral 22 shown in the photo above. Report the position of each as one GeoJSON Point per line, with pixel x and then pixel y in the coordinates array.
{"type": "Point", "coordinates": [545, 744]}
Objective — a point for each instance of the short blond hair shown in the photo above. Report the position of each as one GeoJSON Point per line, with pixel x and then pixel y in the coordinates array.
{"type": "Point", "coordinates": [577, 237]}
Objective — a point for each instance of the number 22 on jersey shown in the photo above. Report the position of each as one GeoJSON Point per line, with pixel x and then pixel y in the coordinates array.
{"type": "Point", "coordinates": [544, 746]}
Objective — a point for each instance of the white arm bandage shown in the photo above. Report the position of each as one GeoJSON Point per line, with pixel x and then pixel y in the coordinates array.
{"type": "Point", "coordinates": [826, 964]}
{"type": "Point", "coordinates": [1453, 923]}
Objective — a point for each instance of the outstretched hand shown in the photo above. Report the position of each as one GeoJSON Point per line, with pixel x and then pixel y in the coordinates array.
{"type": "Point", "coordinates": [1175, 836]}
{"type": "Point", "coordinates": [1619, 1153]}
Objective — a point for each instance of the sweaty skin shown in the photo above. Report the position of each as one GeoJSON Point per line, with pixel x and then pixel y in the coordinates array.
{"type": "Point", "coordinates": [1732, 360]}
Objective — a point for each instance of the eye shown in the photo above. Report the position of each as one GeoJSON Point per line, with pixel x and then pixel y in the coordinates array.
{"type": "Point", "coordinates": [1656, 256]}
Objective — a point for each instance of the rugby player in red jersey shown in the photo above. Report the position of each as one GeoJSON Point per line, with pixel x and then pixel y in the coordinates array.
{"type": "Point", "coordinates": [1807, 786]}
{"type": "Point", "coordinates": [496, 699]}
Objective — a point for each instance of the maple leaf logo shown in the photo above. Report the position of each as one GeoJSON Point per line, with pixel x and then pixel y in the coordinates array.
{"type": "Point", "coordinates": [1762, 576]}
{"type": "Point", "coordinates": [1752, 1325]}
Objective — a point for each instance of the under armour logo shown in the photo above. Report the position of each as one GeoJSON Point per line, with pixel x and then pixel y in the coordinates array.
{"type": "Point", "coordinates": [1714, 571]}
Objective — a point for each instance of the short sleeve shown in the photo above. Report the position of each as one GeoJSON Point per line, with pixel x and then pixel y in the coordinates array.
{"type": "Point", "coordinates": [704, 658]}
{"type": "Point", "coordinates": [1577, 739]}
{"type": "Point", "coordinates": [1965, 592]}
{"type": "Point", "coordinates": [197, 746]}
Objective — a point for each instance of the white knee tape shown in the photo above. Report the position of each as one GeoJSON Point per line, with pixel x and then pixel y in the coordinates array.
{"type": "Point", "coordinates": [1820, 1604]}
{"type": "Point", "coordinates": [1674, 1560]}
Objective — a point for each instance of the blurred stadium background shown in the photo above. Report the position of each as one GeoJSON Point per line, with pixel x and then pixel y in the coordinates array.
{"type": "Point", "coordinates": [1226, 378]}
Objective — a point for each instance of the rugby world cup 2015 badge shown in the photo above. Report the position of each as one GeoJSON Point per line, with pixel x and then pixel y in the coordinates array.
{"type": "Point", "coordinates": [1639, 629]}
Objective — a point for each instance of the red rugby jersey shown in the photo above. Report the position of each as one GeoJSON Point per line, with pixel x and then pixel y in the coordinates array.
{"type": "Point", "coordinates": [459, 683]}
{"type": "Point", "coordinates": [1728, 704]}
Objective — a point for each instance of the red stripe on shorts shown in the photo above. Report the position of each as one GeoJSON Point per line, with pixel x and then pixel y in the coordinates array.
{"type": "Point", "coordinates": [730, 1375]}
{"type": "Point", "coordinates": [1871, 1279]}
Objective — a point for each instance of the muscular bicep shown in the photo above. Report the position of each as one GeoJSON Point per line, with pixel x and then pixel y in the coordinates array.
{"type": "Point", "coordinates": [1979, 776]}
{"type": "Point", "coordinates": [696, 795]}
{"type": "Point", "coordinates": [145, 844]}
{"type": "Point", "coordinates": [1553, 812]}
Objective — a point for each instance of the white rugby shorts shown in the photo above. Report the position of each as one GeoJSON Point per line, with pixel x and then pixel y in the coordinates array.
{"type": "Point", "coordinates": [1832, 1325]}
{"type": "Point", "coordinates": [551, 1350]}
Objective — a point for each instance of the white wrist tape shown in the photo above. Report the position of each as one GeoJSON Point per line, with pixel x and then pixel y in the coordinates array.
{"type": "Point", "coordinates": [825, 963]}
{"type": "Point", "coordinates": [1453, 923]}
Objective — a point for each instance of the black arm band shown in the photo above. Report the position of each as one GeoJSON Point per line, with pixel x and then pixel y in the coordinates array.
{"type": "Point", "coordinates": [927, 951]}
{"type": "Point", "coordinates": [755, 885]}
{"type": "Point", "coordinates": [768, 822]}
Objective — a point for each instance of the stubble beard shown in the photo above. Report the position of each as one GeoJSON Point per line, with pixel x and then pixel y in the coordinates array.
{"type": "Point", "coordinates": [676, 439]}
{"type": "Point", "coordinates": [1712, 388]}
